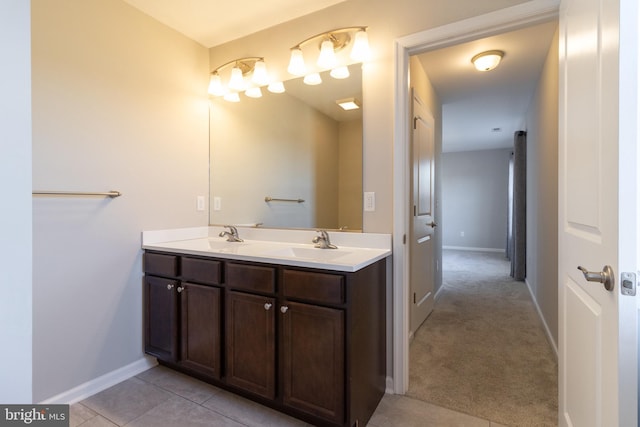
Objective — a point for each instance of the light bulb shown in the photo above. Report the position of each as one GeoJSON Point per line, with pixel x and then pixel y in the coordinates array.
{"type": "Point", "coordinates": [360, 51]}
{"type": "Point", "coordinates": [237, 80]}
{"type": "Point", "coordinates": [276, 87]}
{"type": "Point", "coordinates": [253, 92]}
{"type": "Point", "coordinates": [312, 79]}
{"type": "Point", "coordinates": [215, 85]}
{"type": "Point", "coordinates": [232, 97]}
{"type": "Point", "coordinates": [260, 76]}
{"type": "Point", "coordinates": [341, 72]}
{"type": "Point", "coordinates": [296, 63]}
{"type": "Point", "coordinates": [327, 57]}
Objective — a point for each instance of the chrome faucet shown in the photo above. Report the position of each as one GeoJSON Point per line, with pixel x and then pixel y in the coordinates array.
{"type": "Point", "coordinates": [322, 241]}
{"type": "Point", "coordinates": [231, 235]}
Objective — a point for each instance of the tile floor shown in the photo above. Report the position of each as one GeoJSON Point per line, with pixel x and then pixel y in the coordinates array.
{"type": "Point", "coordinates": [161, 397]}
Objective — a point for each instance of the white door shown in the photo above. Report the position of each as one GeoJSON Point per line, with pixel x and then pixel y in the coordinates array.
{"type": "Point", "coordinates": [589, 224]}
{"type": "Point", "coordinates": [422, 272]}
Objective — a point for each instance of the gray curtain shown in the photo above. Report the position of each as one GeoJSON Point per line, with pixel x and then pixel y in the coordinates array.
{"type": "Point", "coordinates": [517, 245]}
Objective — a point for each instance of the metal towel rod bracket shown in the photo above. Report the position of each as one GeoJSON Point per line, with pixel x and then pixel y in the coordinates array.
{"type": "Point", "coordinates": [271, 199]}
{"type": "Point", "coordinates": [111, 194]}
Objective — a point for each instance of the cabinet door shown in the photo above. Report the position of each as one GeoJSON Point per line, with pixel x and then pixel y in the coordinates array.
{"type": "Point", "coordinates": [200, 318]}
{"type": "Point", "coordinates": [313, 371]}
{"type": "Point", "coordinates": [161, 317]}
{"type": "Point", "coordinates": [250, 343]}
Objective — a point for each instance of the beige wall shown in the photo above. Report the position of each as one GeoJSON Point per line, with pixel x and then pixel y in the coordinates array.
{"type": "Point", "coordinates": [387, 21]}
{"type": "Point", "coordinates": [542, 192]}
{"type": "Point", "coordinates": [119, 103]}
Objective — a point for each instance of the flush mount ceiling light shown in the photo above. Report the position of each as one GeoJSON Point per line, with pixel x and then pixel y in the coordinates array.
{"type": "Point", "coordinates": [238, 78]}
{"type": "Point", "coordinates": [348, 104]}
{"type": "Point", "coordinates": [331, 42]}
{"type": "Point", "coordinates": [488, 60]}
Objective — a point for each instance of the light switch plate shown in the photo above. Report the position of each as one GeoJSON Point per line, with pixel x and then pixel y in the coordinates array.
{"type": "Point", "coordinates": [369, 201]}
{"type": "Point", "coordinates": [200, 203]}
{"type": "Point", "coordinates": [217, 203]}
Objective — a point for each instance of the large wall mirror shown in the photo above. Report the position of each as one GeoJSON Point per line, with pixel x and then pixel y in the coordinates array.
{"type": "Point", "coordinates": [289, 160]}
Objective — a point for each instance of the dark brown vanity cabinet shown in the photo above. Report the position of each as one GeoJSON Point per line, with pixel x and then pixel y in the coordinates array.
{"type": "Point", "coordinates": [307, 342]}
{"type": "Point", "coordinates": [313, 343]}
{"type": "Point", "coordinates": [183, 318]}
{"type": "Point", "coordinates": [161, 315]}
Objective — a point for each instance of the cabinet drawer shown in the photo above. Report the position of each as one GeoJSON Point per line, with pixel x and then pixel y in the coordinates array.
{"type": "Point", "coordinates": [201, 270]}
{"type": "Point", "coordinates": [319, 287]}
{"type": "Point", "coordinates": [251, 277]}
{"type": "Point", "coordinates": [160, 264]}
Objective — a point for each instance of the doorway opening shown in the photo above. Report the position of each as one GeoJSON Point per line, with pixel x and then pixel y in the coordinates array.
{"type": "Point", "coordinates": [455, 34]}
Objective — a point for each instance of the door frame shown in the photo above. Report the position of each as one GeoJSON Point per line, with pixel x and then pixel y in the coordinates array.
{"type": "Point", "coordinates": [503, 20]}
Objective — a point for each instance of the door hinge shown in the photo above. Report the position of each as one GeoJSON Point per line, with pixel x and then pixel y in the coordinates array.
{"type": "Point", "coordinates": [404, 239]}
{"type": "Point", "coordinates": [414, 297]}
{"type": "Point", "coordinates": [415, 123]}
{"type": "Point", "coordinates": [414, 210]}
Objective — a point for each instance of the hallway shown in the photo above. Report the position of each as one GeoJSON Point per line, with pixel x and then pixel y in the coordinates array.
{"type": "Point", "coordinates": [483, 350]}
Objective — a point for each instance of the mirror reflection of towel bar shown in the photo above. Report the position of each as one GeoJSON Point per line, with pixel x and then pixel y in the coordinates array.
{"type": "Point", "coordinates": [271, 199]}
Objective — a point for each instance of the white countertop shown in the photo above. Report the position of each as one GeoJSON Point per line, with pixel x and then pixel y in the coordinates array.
{"type": "Point", "coordinates": [274, 246]}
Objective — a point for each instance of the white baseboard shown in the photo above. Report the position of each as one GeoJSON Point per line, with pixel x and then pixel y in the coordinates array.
{"type": "Point", "coordinates": [390, 389]}
{"type": "Point", "coordinates": [103, 382]}
{"type": "Point", "coordinates": [469, 248]}
{"type": "Point", "coordinates": [554, 346]}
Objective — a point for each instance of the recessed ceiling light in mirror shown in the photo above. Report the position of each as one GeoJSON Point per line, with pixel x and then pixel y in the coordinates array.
{"type": "Point", "coordinates": [348, 104]}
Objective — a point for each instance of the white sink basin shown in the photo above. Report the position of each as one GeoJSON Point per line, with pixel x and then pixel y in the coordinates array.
{"type": "Point", "coordinates": [311, 253]}
{"type": "Point", "coordinates": [216, 245]}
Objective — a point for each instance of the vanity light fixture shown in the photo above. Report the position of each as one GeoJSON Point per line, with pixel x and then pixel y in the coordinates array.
{"type": "Point", "coordinates": [331, 42]}
{"type": "Point", "coordinates": [487, 61]}
{"type": "Point", "coordinates": [239, 81]}
{"type": "Point", "coordinates": [348, 104]}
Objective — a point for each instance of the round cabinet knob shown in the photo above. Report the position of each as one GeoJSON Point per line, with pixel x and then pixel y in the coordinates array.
{"type": "Point", "coordinates": [267, 306]}
{"type": "Point", "coordinates": [284, 308]}
{"type": "Point", "coordinates": [169, 286]}
{"type": "Point", "coordinates": [180, 289]}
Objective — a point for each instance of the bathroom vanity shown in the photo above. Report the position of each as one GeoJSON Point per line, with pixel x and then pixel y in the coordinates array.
{"type": "Point", "coordinates": [296, 328]}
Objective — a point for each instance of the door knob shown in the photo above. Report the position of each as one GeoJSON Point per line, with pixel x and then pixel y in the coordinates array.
{"type": "Point", "coordinates": [432, 224]}
{"type": "Point", "coordinates": [605, 276]}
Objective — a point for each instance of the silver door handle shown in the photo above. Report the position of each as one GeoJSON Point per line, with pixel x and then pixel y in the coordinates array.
{"type": "Point", "coordinates": [605, 276]}
{"type": "Point", "coordinates": [432, 224]}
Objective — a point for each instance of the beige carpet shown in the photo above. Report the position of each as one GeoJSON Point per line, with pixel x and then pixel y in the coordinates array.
{"type": "Point", "coordinates": [483, 350]}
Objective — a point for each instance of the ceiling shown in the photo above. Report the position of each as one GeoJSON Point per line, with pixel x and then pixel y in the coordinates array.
{"type": "Point", "coordinates": [475, 103]}
{"type": "Point", "coordinates": [480, 110]}
{"type": "Point", "coordinates": [212, 23]}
